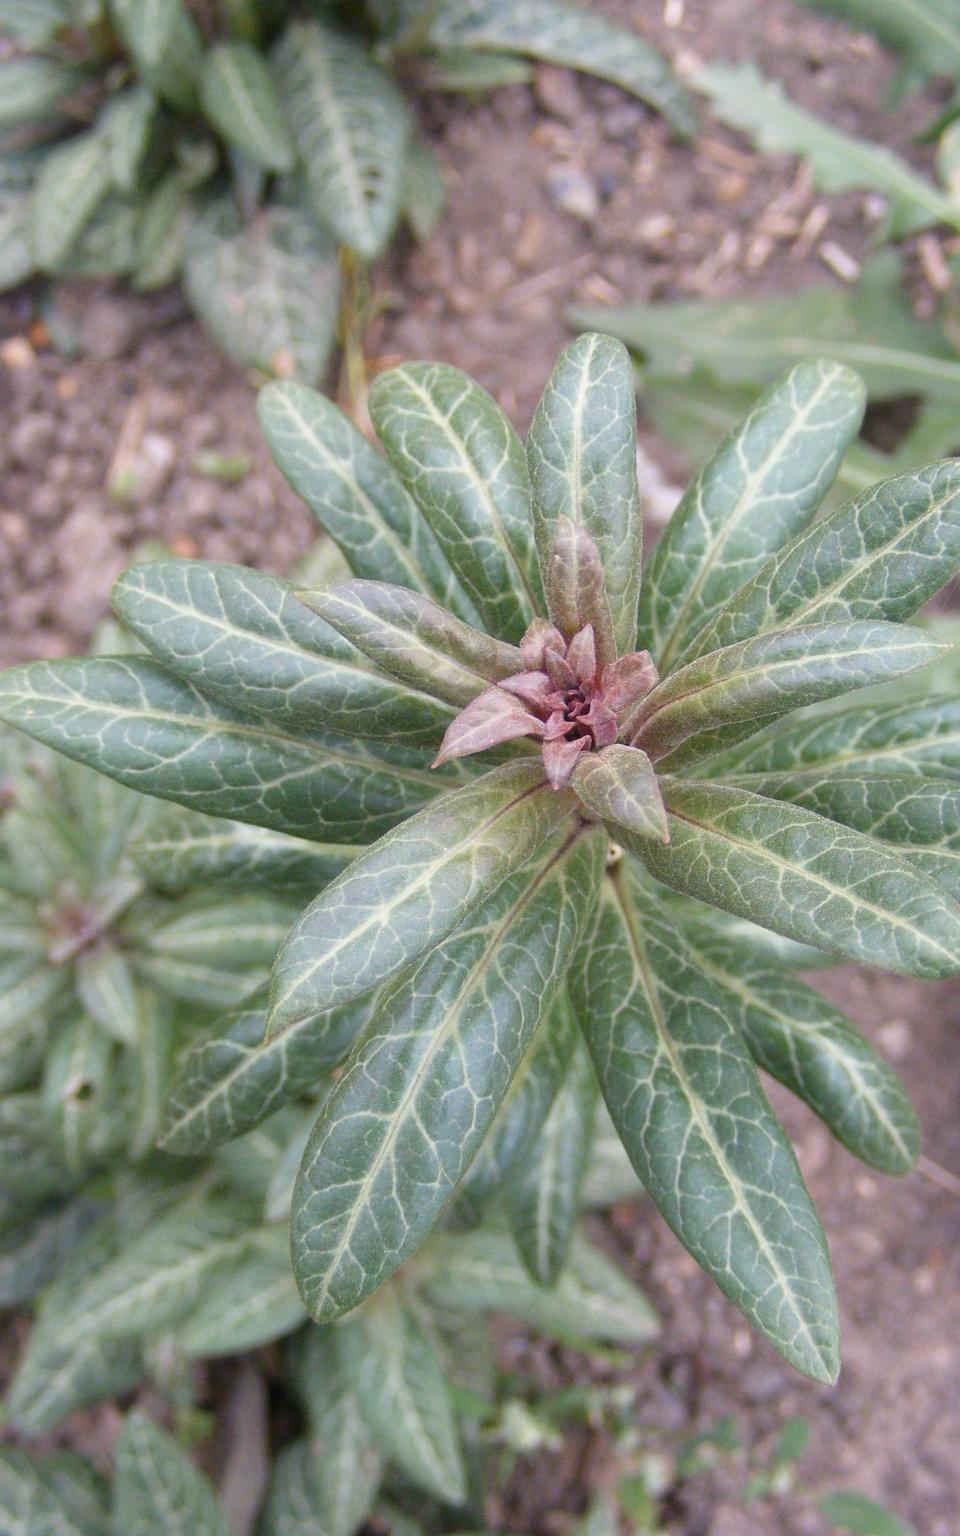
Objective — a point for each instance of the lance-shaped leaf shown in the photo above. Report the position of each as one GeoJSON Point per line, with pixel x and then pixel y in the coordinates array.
{"type": "Point", "coordinates": [543, 1200]}
{"type": "Point", "coordinates": [619, 785]}
{"type": "Point", "coordinates": [347, 1465]}
{"type": "Point", "coordinates": [32, 1167]}
{"type": "Point", "coordinates": [137, 723]}
{"type": "Point", "coordinates": [29, 994]}
{"type": "Point", "coordinates": [582, 456]}
{"type": "Point", "coordinates": [407, 1117]}
{"type": "Point", "coordinates": [802, 1040]}
{"type": "Point", "coordinates": [73, 182]}
{"type": "Point", "coordinates": [233, 1079]}
{"type": "Point", "coordinates": [106, 988]}
{"type": "Point", "coordinates": [465, 467]}
{"type": "Point", "coordinates": [759, 489]}
{"type": "Point", "coordinates": [157, 1489]}
{"type": "Point", "coordinates": [703, 924]}
{"type": "Point", "coordinates": [77, 1082]}
{"type": "Point", "coordinates": [804, 877]}
{"type": "Point", "coordinates": [32, 1252]}
{"type": "Point", "coordinates": [592, 1299]}
{"type": "Point", "coordinates": [879, 556]}
{"type": "Point", "coordinates": [355, 494]}
{"type": "Point", "coordinates": [182, 850]}
{"type": "Point", "coordinates": [81, 1490]}
{"type": "Point", "coordinates": [919, 817]}
{"type": "Point", "coordinates": [398, 1380]}
{"type": "Point", "coordinates": [28, 1505]}
{"type": "Point", "coordinates": [249, 1307]}
{"type": "Point", "coordinates": [165, 43]}
{"type": "Point", "coordinates": [238, 96]}
{"type": "Point", "coordinates": [412, 888]}
{"type": "Point", "coordinates": [243, 638]}
{"type": "Point", "coordinates": [919, 738]}
{"type": "Point", "coordinates": [292, 1506]}
{"type": "Point", "coordinates": [771, 675]}
{"type": "Point", "coordinates": [415, 639]}
{"type": "Point", "coordinates": [210, 951]}
{"type": "Point", "coordinates": [684, 1095]}
{"type": "Point", "coordinates": [575, 587]}
{"type": "Point", "coordinates": [351, 128]}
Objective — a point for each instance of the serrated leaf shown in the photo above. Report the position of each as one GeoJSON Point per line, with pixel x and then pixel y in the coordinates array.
{"type": "Point", "coordinates": [760, 487]}
{"type": "Point", "coordinates": [184, 849]}
{"type": "Point", "coordinates": [267, 291]}
{"type": "Point", "coordinates": [404, 895]}
{"type": "Point", "coordinates": [73, 182]}
{"type": "Point", "coordinates": [868, 327]}
{"type": "Point", "coordinates": [355, 494]}
{"type": "Point", "coordinates": [347, 1467]}
{"type": "Point", "coordinates": [137, 723]}
{"type": "Point", "coordinates": [805, 877]}
{"type": "Point", "coordinates": [405, 1120]}
{"type": "Point", "coordinates": [742, 98]}
{"type": "Point", "coordinates": [163, 39]}
{"type": "Point", "coordinates": [351, 127]}
{"type": "Point", "coordinates": [465, 467]}
{"type": "Point", "coordinates": [397, 1376]}
{"type": "Point", "coordinates": [237, 94]}
{"type": "Point", "coordinates": [258, 1302]}
{"type": "Point", "coordinates": [413, 638]}
{"type": "Point", "coordinates": [685, 1098]}
{"type": "Point", "coordinates": [543, 1200]}
{"type": "Point", "coordinates": [741, 686]}
{"type": "Point", "coordinates": [802, 1040]}
{"type": "Point", "coordinates": [567, 35]}
{"type": "Point", "coordinates": [28, 1507]}
{"type": "Point", "coordinates": [619, 784]}
{"type": "Point", "coordinates": [879, 556]}
{"type": "Point", "coordinates": [32, 88]}
{"type": "Point", "coordinates": [243, 637]}
{"type": "Point", "coordinates": [592, 1298]}
{"type": "Point", "coordinates": [157, 1489]}
{"type": "Point", "coordinates": [582, 457]}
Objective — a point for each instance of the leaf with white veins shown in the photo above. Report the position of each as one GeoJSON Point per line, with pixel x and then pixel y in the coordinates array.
{"type": "Point", "coordinates": [157, 1489]}
{"type": "Point", "coordinates": [181, 849]}
{"type": "Point", "coordinates": [619, 785]}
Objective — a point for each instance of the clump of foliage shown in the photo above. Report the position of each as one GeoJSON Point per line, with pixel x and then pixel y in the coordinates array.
{"type": "Point", "coordinates": [496, 605]}
{"type": "Point", "coordinates": [239, 144]}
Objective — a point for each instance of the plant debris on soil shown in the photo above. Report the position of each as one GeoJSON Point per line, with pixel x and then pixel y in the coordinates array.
{"type": "Point", "coordinates": [567, 191]}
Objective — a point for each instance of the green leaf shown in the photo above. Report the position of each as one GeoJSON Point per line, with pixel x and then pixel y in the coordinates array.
{"type": "Point", "coordinates": [351, 128]}
{"type": "Point", "coordinates": [804, 877]}
{"type": "Point", "coordinates": [161, 235]}
{"type": "Point", "coordinates": [925, 31]}
{"type": "Point", "coordinates": [36, 26]}
{"type": "Point", "coordinates": [582, 456]}
{"type": "Point", "coordinates": [355, 494]}
{"type": "Point", "coordinates": [214, 950]}
{"type": "Point", "coordinates": [413, 638]}
{"type": "Point", "coordinates": [184, 849]}
{"type": "Point", "coordinates": [347, 1467]}
{"type": "Point", "coordinates": [107, 991]}
{"type": "Point", "coordinates": [802, 1040]}
{"type": "Point", "coordinates": [591, 1300]}
{"type": "Point", "coordinates": [465, 467]}
{"type": "Point", "coordinates": [879, 556]}
{"type": "Point", "coordinates": [742, 98]}
{"type": "Point", "coordinates": [164, 42]}
{"type": "Point", "coordinates": [760, 487]}
{"type": "Point", "coordinates": [685, 1098]}
{"type": "Point", "coordinates": [459, 69]}
{"type": "Point", "coordinates": [856, 1513]}
{"type": "Point", "coordinates": [920, 818]}
{"type": "Point", "coordinates": [619, 784]}
{"type": "Point", "coordinates": [293, 1502]}
{"type": "Point", "coordinates": [238, 96]}
{"type": "Point", "coordinates": [267, 291]}
{"type": "Point", "coordinates": [234, 1078]}
{"type": "Point", "coordinates": [125, 124]}
{"type": "Point", "coordinates": [256, 1303]}
{"type": "Point", "coordinates": [743, 685]}
{"type": "Point", "coordinates": [32, 1166]}
{"type": "Point", "coordinates": [16, 257]}
{"type": "Point", "coordinates": [137, 723]}
{"type": "Point", "coordinates": [543, 1200]}
{"type": "Point", "coordinates": [32, 88]}
{"type": "Point", "coordinates": [397, 1376]}
{"type": "Point", "coordinates": [404, 895]}
{"type": "Point", "coordinates": [703, 924]}
{"type": "Point", "coordinates": [569, 35]}
{"type": "Point", "coordinates": [73, 182]}
{"type": "Point", "coordinates": [406, 1118]}
{"type": "Point", "coordinates": [33, 1251]}
{"type": "Point", "coordinates": [28, 1507]}
{"type": "Point", "coordinates": [868, 327]}
{"type": "Point", "coordinates": [81, 1490]}
{"type": "Point", "coordinates": [424, 190]}
{"type": "Point", "coordinates": [78, 1086]}
{"type": "Point", "coordinates": [243, 637]}
{"type": "Point", "coordinates": [29, 994]}
{"type": "Point", "coordinates": [157, 1489]}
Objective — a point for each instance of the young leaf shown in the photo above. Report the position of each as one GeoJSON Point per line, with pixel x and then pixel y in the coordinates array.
{"type": "Point", "coordinates": [238, 96]}
{"type": "Point", "coordinates": [465, 467]}
{"type": "Point", "coordinates": [805, 877]}
{"type": "Point", "coordinates": [73, 181]}
{"type": "Point", "coordinates": [355, 494]}
{"type": "Point", "coordinates": [412, 888]}
{"type": "Point", "coordinates": [106, 988]}
{"type": "Point", "coordinates": [243, 637]}
{"type": "Point", "coordinates": [582, 457]}
{"type": "Point", "coordinates": [742, 98]}
{"type": "Point", "coordinates": [543, 1200]}
{"type": "Point", "coordinates": [184, 849]}
{"type": "Point", "coordinates": [405, 1120]}
{"type": "Point", "coordinates": [347, 1467]}
{"type": "Point", "coordinates": [760, 487]}
{"type": "Point", "coordinates": [398, 1380]}
{"type": "Point", "coordinates": [351, 128]}
{"type": "Point", "coordinates": [139, 724]}
{"type": "Point", "coordinates": [684, 1096]}
{"type": "Point", "coordinates": [619, 785]}
{"type": "Point", "coordinates": [157, 1489]}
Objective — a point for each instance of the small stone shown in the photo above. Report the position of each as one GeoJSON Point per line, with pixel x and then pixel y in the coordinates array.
{"type": "Point", "coordinates": [557, 92]}
{"type": "Point", "coordinates": [32, 437]}
{"type": "Point", "coordinates": [573, 193]}
{"type": "Point", "coordinates": [621, 122]}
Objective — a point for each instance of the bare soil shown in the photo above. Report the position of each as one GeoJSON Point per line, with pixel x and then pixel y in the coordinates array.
{"type": "Point", "coordinates": [101, 443]}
